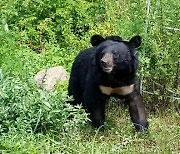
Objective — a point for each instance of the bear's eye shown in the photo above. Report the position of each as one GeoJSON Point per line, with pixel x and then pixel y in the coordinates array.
{"type": "Point", "coordinates": [116, 54]}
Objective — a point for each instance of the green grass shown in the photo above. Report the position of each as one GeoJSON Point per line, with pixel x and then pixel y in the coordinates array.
{"type": "Point", "coordinates": [119, 137]}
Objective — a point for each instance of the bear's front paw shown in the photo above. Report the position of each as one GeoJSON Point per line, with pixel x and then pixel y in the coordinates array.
{"type": "Point", "coordinates": [98, 124]}
{"type": "Point", "coordinates": [141, 127]}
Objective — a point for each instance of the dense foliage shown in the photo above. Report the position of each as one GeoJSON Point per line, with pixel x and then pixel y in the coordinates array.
{"type": "Point", "coordinates": [35, 110]}
{"type": "Point", "coordinates": [38, 34]}
{"type": "Point", "coordinates": [70, 24]}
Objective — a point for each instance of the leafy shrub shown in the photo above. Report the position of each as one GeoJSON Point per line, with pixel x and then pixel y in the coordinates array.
{"type": "Point", "coordinates": [43, 25]}
{"type": "Point", "coordinates": [44, 21]}
{"type": "Point", "coordinates": [24, 107]}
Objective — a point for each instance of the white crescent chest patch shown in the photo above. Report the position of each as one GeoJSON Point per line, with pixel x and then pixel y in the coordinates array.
{"type": "Point", "coordinates": [125, 90]}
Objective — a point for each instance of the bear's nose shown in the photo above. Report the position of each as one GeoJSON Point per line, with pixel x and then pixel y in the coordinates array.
{"type": "Point", "coordinates": [104, 63]}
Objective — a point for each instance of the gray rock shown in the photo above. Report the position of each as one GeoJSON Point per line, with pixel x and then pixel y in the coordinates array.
{"type": "Point", "coordinates": [47, 78]}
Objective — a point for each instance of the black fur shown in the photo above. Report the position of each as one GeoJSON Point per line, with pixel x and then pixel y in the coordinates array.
{"type": "Point", "coordinates": [97, 39]}
{"type": "Point", "coordinates": [87, 75]}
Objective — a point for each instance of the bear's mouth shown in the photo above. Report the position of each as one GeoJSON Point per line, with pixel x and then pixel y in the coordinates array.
{"type": "Point", "coordinates": [107, 69]}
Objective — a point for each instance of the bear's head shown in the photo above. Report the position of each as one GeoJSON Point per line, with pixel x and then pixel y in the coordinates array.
{"type": "Point", "coordinates": [114, 55]}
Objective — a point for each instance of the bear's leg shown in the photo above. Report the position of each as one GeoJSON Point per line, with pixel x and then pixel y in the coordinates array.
{"type": "Point", "coordinates": [137, 111]}
{"type": "Point", "coordinates": [95, 102]}
{"type": "Point", "coordinates": [97, 115]}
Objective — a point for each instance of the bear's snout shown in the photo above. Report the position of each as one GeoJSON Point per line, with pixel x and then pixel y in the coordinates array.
{"type": "Point", "coordinates": [107, 62]}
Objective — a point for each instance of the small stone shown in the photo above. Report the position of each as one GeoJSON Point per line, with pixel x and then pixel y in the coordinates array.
{"type": "Point", "coordinates": [47, 78]}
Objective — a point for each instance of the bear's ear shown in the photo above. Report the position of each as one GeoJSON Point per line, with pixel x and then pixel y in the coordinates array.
{"type": "Point", "coordinates": [114, 38]}
{"type": "Point", "coordinates": [96, 40]}
{"type": "Point", "coordinates": [135, 41]}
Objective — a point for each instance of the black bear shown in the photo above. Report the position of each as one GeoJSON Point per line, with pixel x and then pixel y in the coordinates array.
{"type": "Point", "coordinates": [108, 69]}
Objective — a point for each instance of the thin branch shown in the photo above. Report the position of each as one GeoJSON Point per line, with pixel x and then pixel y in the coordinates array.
{"type": "Point", "coordinates": [151, 93]}
{"type": "Point", "coordinates": [176, 82]}
{"type": "Point", "coordinates": [148, 3]}
{"type": "Point", "coordinates": [163, 86]}
{"type": "Point", "coordinates": [171, 28]}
